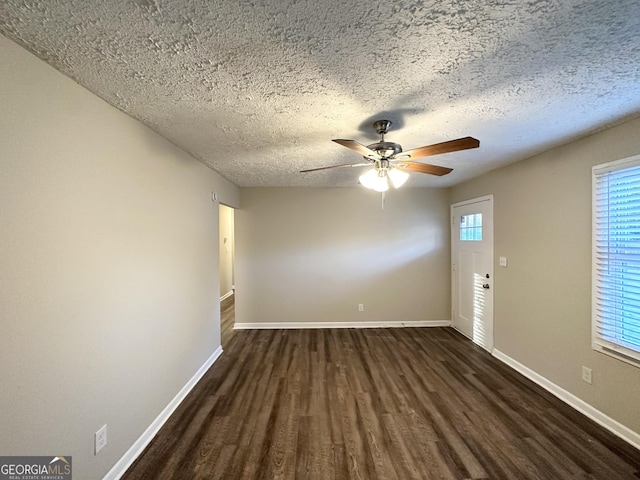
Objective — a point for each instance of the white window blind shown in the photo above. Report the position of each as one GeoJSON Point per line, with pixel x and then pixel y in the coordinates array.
{"type": "Point", "coordinates": [616, 259]}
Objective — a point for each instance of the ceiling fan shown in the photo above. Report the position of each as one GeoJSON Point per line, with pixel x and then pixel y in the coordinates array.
{"type": "Point", "coordinates": [389, 162]}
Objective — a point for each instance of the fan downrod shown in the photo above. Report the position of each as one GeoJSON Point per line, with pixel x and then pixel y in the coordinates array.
{"type": "Point", "coordinates": [384, 149]}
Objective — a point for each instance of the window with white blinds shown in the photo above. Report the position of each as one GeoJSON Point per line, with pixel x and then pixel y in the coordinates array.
{"type": "Point", "coordinates": [616, 259]}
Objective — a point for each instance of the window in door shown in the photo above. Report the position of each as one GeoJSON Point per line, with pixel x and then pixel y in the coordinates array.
{"type": "Point", "coordinates": [471, 227]}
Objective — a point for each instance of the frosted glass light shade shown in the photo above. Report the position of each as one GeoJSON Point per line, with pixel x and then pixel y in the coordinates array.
{"type": "Point", "coordinates": [375, 180]}
{"type": "Point", "coordinates": [368, 177]}
{"type": "Point", "coordinates": [381, 184]}
{"type": "Point", "coordinates": [398, 177]}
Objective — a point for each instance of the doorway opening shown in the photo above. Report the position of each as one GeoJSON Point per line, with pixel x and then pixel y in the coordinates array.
{"type": "Point", "coordinates": [227, 275]}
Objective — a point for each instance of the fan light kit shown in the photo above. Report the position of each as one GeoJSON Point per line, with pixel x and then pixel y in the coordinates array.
{"type": "Point", "coordinates": [378, 178]}
{"type": "Point", "coordinates": [389, 162]}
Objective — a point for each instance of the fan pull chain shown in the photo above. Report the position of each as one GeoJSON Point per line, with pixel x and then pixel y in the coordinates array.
{"type": "Point", "coordinates": [383, 200]}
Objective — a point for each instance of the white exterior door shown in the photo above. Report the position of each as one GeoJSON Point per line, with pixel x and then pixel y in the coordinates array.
{"type": "Point", "coordinates": [472, 269]}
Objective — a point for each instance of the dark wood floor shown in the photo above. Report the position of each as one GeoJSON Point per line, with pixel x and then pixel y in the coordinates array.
{"type": "Point", "coordinates": [384, 404]}
{"type": "Point", "coordinates": [227, 319]}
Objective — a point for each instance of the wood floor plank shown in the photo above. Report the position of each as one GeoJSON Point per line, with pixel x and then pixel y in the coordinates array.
{"type": "Point", "coordinates": [357, 404]}
{"type": "Point", "coordinates": [377, 438]}
{"type": "Point", "coordinates": [358, 457]}
{"type": "Point", "coordinates": [399, 449]}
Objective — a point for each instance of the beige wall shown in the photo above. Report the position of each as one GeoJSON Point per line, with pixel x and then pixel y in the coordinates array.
{"type": "Point", "coordinates": [312, 255]}
{"type": "Point", "coordinates": [543, 298]}
{"type": "Point", "coordinates": [109, 268]}
{"type": "Point", "coordinates": [226, 242]}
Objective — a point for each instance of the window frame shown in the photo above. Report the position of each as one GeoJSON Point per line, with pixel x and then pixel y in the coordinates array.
{"type": "Point", "coordinates": [598, 342]}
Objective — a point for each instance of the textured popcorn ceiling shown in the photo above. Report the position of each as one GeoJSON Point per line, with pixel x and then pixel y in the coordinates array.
{"type": "Point", "coordinates": [257, 88]}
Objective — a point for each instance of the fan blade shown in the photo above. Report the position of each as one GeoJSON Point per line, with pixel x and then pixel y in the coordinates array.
{"type": "Point", "coordinates": [336, 166]}
{"type": "Point", "coordinates": [358, 147]}
{"type": "Point", "coordinates": [423, 168]}
{"type": "Point", "coordinates": [445, 147]}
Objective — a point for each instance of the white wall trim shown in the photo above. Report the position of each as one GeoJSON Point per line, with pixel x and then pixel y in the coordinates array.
{"type": "Point", "coordinates": [300, 325]}
{"type": "Point", "coordinates": [138, 447]}
{"type": "Point", "coordinates": [570, 399]}
{"type": "Point", "coordinates": [226, 295]}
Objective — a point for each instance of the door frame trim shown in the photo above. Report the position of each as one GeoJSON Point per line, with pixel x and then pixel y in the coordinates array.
{"type": "Point", "coordinates": [471, 201]}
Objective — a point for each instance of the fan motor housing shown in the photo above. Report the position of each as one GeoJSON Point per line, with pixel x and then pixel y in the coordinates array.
{"type": "Point", "coordinates": [385, 149]}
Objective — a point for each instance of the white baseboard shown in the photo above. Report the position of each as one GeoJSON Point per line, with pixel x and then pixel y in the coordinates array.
{"type": "Point", "coordinates": [226, 295]}
{"type": "Point", "coordinates": [300, 325]}
{"type": "Point", "coordinates": [137, 448]}
{"type": "Point", "coordinates": [570, 399]}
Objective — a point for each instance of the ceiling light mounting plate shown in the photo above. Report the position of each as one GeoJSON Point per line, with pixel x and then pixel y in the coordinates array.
{"type": "Point", "coordinates": [381, 126]}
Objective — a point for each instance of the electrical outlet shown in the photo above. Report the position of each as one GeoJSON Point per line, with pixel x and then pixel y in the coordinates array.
{"type": "Point", "coordinates": [100, 439]}
{"type": "Point", "coordinates": [587, 375]}
{"type": "Point", "coordinates": [361, 307]}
